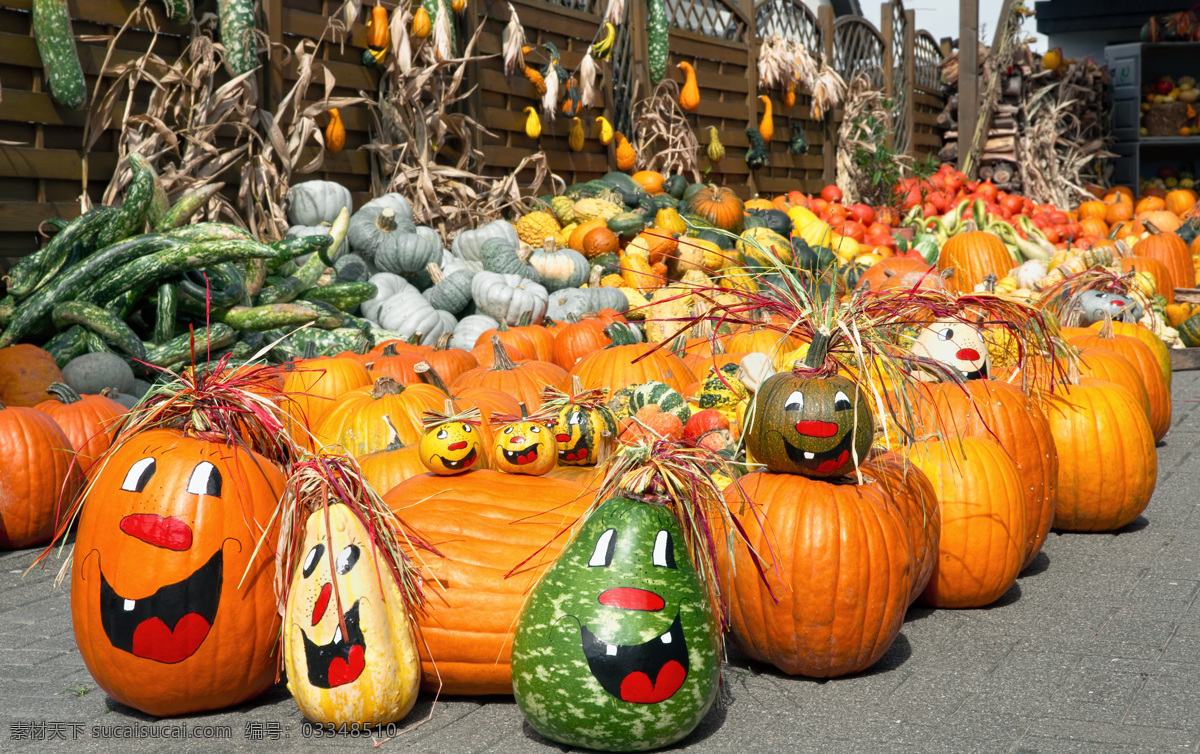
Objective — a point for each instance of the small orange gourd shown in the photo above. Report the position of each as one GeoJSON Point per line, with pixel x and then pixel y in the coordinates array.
{"type": "Point", "coordinates": [626, 157]}
{"type": "Point", "coordinates": [378, 36]}
{"type": "Point", "coordinates": [335, 132]}
{"type": "Point", "coordinates": [767, 126]}
{"type": "Point", "coordinates": [789, 95]}
{"type": "Point", "coordinates": [689, 95]}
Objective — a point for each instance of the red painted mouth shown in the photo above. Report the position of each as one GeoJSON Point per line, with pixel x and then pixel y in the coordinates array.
{"type": "Point", "coordinates": [628, 598]}
{"type": "Point", "coordinates": [827, 467]}
{"type": "Point", "coordinates": [457, 445]}
{"type": "Point", "coordinates": [168, 533]}
{"type": "Point", "coordinates": [322, 603]}
{"type": "Point", "coordinates": [522, 457]}
{"type": "Point", "coordinates": [967, 354]}
{"type": "Point", "coordinates": [816, 428]}
{"type": "Point", "coordinates": [579, 454]}
{"type": "Point", "coordinates": [563, 438]}
{"type": "Point", "coordinates": [638, 689]}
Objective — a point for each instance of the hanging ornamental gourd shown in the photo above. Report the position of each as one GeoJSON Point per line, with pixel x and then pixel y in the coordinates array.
{"type": "Point", "coordinates": [378, 38]}
{"type": "Point", "coordinates": [453, 442]}
{"type": "Point", "coordinates": [171, 589]}
{"type": "Point", "coordinates": [618, 646]}
{"type": "Point", "coordinates": [581, 419]}
{"type": "Point", "coordinates": [349, 643]}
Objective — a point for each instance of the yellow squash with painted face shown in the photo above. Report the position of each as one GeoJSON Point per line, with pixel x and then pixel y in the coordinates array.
{"type": "Point", "coordinates": [525, 447]}
{"type": "Point", "coordinates": [451, 447]}
{"type": "Point", "coordinates": [359, 663]}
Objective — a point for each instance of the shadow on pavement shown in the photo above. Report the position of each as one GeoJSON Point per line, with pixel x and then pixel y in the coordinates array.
{"type": "Point", "coordinates": [1039, 566]}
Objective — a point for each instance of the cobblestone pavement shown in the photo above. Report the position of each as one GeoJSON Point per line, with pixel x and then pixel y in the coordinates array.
{"type": "Point", "coordinates": [1096, 649]}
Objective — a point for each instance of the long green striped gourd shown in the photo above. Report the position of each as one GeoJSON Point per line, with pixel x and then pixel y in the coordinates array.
{"type": "Point", "coordinates": [56, 46]}
{"type": "Point", "coordinates": [170, 262]}
{"type": "Point", "coordinates": [617, 647]}
{"type": "Point", "coordinates": [67, 345]}
{"type": "Point", "coordinates": [100, 322]}
{"type": "Point", "coordinates": [269, 316]}
{"type": "Point", "coordinates": [78, 239]}
{"type": "Point", "coordinates": [34, 312]}
{"type": "Point", "coordinates": [236, 18]}
{"type": "Point", "coordinates": [662, 395]}
{"type": "Point", "coordinates": [166, 310]}
{"type": "Point", "coordinates": [131, 215]}
{"type": "Point", "coordinates": [344, 296]}
{"type": "Point", "coordinates": [179, 348]}
{"type": "Point", "coordinates": [187, 205]}
{"type": "Point", "coordinates": [658, 39]}
{"type": "Point", "coordinates": [202, 232]}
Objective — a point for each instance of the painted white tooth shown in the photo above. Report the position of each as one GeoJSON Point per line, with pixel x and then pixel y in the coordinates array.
{"type": "Point", "coordinates": [666, 638]}
{"type": "Point", "coordinates": [809, 456]}
{"type": "Point", "coordinates": [611, 650]}
{"type": "Point", "coordinates": [129, 606]}
{"type": "Point", "coordinates": [337, 635]}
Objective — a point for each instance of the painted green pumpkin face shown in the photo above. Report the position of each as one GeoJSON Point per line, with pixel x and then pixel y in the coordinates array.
{"type": "Point", "coordinates": [617, 647]}
{"type": "Point", "coordinates": [577, 430]}
{"type": "Point", "coordinates": [815, 427]}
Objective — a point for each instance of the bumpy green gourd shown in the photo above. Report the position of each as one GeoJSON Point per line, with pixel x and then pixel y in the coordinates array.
{"type": "Point", "coordinates": [56, 47]}
{"type": "Point", "coordinates": [617, 647]}
{"type": "Point", "coordinates": [659, 39]}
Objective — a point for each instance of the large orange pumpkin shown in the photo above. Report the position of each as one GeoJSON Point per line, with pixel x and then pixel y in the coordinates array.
{"type": "Point", "coordinates": [913, 493]}
{"type": "Point", "coordinates": [484, 525]}
{"type": "Point", "coordinates": [313, 386]}
{"type": "Point", "coordinates": [1169, 249]}
{"type": "Point", "coordinates": [1118, 212]}
{"type": "Point", "coordinates": [1142, 359]}
{"type": "Point", "coordinates": [387, 468]}
{"type": "Point", "coordinates": [1162, 354]}
{"type": "Point", "coordinates": [1002, 412]}
{"type": "Point", "coordinates": [450, 362]}
{"type": "Point", "coordinates": [651, 180]}
{"type": "Point", "coordinates": [720, 206]}
{"type": "Point", "coordinates": [973, 256]}
{"type": "Point", "coordinates": [35, 475]}
{"type": "Point", "coordinates": [523, 380]}
{"type": "Point", "coordinates": [395, 364]}
{"type": "Point", "coordinates": [627, 362]}
{"type": "Point", "coordinates": [983, 535]}
{"type": "Point", "coordinates": [1110, 366]}
{"type": "Point", "coordinates": [1093, 209]}
{"type": "Point", "coordinates": [575, 340]}
{"type": "Point", "coordinates": [1107, 466]}
{"type": "Point", "coordinates": [173, 606]}
{"type": "Point", "coordinates": [1180, 201]}
{"type": "Point", "coordinates": [1162, 220]}
{"type": "Point", "coordinates": [837, 597]}
{"type": "Point", "coordinates": [369, 419]}
{"type": "Point", "coordinates": [25, 373]}
{"type": "Point", "coordinates": [901, 272]}
{"type": "Point", "coordinates": [88, 421]}
{"type": "Point", "coordinates": [1162, 276]}
{"type": "Point", "coordinates": [1149, 203]}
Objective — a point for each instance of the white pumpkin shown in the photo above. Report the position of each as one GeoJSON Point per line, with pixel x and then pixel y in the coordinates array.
{"type": "Point", "coordinates": [467, 245]}
{"type": "Point", "coordinates": [957, 345]}
{"type": "Point", "coordinates": [408, 313]}
{"type": "Point", "coordinates": [509, 297]}
{"type": "Point", "coordinates": [469, 328]}
{"type": "Point", "coordinates": [387, 285]}
{"type": "Point", "coordinates": [315, 202]}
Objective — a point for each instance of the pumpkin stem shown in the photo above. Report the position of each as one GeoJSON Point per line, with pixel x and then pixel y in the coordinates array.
{"type": "Point", "coordinates": [435, 273]}
{"type": "Point", "coordinates": [108, 392]}
{"type": "Point", "coordinates": [386, 386]}
{"type": "Point", "coordinates": [818, 350]}
{"type": "Point", "coordinates": [572, 318]}
{"type": "Point", "coordinates": [525, 253]}
{"type": "Point", "coordinates": [596, 276]}
{"type": "Point", "coordinates": [2, 406]}
{"type": "Point", "coordinates": [503, 362]}
{"type": "Point", "coordinates": [1106, 330]}
{"type": "Point", "coordinates": [526, 318]}
{"type": "Point", "coordinates": [389, 350]}
{"type": "Point", "coordinates": [64, 392]}
{"type": "Point", "coordinates": [394, 443]}
{"type": "Point", "coordinates": [449, 407]}
{"type": "Point", "coordinates": [1150, 228]}
{"type": "Point", "coordinates": [576, 385]}
{"type": "Point", "coordinates": [524, 411]}
{"type": "Point", "coordinates": [443, 342]}
{"type": "Point", "coordinates": [989, 282]}
{"type": "Point", "coordinates": [430, 376]}
{"type": "Point", "coordinates": [549, 245]}
{"type": "Point", "coordinates": [415, 338]}
{"type": "Point", "coordinates": [386, 221]}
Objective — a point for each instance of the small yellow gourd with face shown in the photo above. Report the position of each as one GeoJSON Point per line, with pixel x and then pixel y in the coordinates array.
{"type": "Point", "coordinates": [362, 666]}
{"type": "Point", "coordinates": [451, 447]}
{"type": "Point", "coordinates": [525, 447]}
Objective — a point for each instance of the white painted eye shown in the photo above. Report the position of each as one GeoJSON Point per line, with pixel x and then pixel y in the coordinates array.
{"type": "Point", "coordinates": [467, 428]}
{"type": "Point", "coordinates": [576, 418]}
{"type": "Point", "coordinates": [314, 555]}
{"type": "Point", "coordinates": [138, 475]}
{"type": "Point", "coordinates": [535, 429]}
{"type": "Point", "coordinates": [664, 550]}
{"type": "Point", "coordinates": [206, 480]}
{"type": "Point", "coordinates": [346, 559]}
{"type": "Point", "coordinates": [795, 401]}
{"type": "Point", "coordinates": [508, 430]}
{"type": "Point", "coordinates": [945, 334]}
{"type": "Point", "coordinates": [442, 434]}
{"type": "Point", "coordinates": [841, 401]}
{"type": "Point", "coordinates": [606, 543]}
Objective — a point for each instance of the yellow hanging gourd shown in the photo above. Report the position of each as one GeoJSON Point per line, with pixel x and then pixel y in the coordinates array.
{"type": "Point", "coordinates": [767, 126]}
{"type": "Point", "coordinates": [604, 130]}
{"type": "Point", "coordinates": [335, 132]}
{"type": "Point", "coordinates": [789, 95]}
{"type": "Point", "coordinates": [716, 150]}
{"type": "Point", "coordinates": [357, 663]}
{"type": "Point", "coordinates": [689, 95]}
{"type": "Point", "coordinates": [421, 25]}
{"type": "Point", "coordinates": [626, 157]}
{"type": "Point", "coordinates": [576, 138]}
{"type": "Point", "coordinates": [533, 123]}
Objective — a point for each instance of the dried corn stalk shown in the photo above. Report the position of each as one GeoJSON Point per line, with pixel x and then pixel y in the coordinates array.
{"type": "Point", "coordinates": [662, 136]}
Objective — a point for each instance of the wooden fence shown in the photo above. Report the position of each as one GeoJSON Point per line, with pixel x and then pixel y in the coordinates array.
{"type": "Point", "coordinates": [42, 173]}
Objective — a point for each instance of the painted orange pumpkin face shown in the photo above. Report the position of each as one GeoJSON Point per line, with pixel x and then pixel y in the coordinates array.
{"type": "Point", "coordinates": [171, 603]}
{"type": "Point", "coordinates": [957, 345]}
{"type": "Point", "coordinates": [451, 448]}
{"type": "Point", "coordinates": [526, 447]}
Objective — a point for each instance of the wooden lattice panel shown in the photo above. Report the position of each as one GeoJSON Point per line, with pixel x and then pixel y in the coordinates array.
{"type": "Point", "coordinates": [790, 19]}
{"type": "Point", "coordinates": [857, 48]}
{"type": "Point", "coordinates": [928, 59]}
{"type": "Point", "coordinates": [711, 18]}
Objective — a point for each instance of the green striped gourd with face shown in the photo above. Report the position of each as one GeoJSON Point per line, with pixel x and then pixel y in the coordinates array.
{"type": "Point", "coordinates": [578, 427]}
{"type": "Point", "coordinates": [617, 648]}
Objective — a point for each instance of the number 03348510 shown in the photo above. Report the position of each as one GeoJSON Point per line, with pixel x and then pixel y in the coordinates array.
{"type": "Point", "coordinates": [322, 730]}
